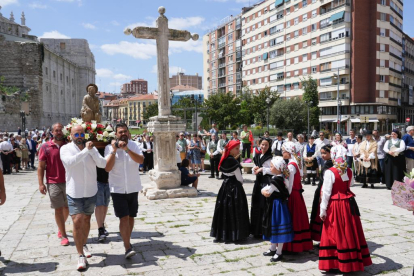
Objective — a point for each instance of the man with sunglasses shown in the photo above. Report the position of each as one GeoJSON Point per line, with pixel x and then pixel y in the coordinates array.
{"type": "Point", "coordinates": [124, 157]}
{"type": "Point", "coordinates": [80, 160]}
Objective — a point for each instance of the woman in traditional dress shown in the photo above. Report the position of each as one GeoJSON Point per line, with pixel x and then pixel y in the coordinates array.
{"type": "Point", "coordinates": [394, 163]}
{"type": "Point", "coordinates": [263, 177]}
{"type": "Point", "coordinates": [339, 141]}
{"type": "Point", "coordinates": [296, 204]}
{"type": "Point", "coordinates": [315, 220]}
{"type": "Point", "coordinates": [311, 164]}
{"type": "Point", "coordinates": [343, 246]}
{"type": "Point", "coordinates": [231, 214]}
{"type": "Point", "coordinates": [277, 224]}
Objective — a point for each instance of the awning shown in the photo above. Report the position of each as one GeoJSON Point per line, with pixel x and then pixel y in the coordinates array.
{"type": "Point", "coordinates": [373, 121]}
{"type": "Point", "coordinates": [337, 16]}
{"type": "Point", "coordinates": [278, 3]}
{"type": "Point", "coordinates": [287, 84]}
{"type": "Point", "coordinates": [265, 56]}
{"type": "Point", "coordinates": [327, 120]}
{"type": "Point", "coordinates": [370, 120]}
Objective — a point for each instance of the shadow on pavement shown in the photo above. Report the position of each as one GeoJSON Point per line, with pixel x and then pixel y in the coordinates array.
{"type": "Point", "coordinates": [13, 267]}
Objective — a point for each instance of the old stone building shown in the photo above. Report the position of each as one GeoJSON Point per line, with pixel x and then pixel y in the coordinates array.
{"type": "Point", "coordinates": [53, 72]}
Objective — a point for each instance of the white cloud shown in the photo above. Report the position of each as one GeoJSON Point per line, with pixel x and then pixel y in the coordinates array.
{"type": "Point", "coordinates": [173, 22]}
{"type": "Point", "coordinates": [89, 26]}
{"type": "Point", "coordinates": [173, 69]}
{"type": "Point", "coordinates": [92, 46]}
{"type": "Point", "coordinates": [108, 74]}
{"type": "Point", "coordinates": [37, 5]}
{"type": "Point", "coordinates": [4, 3]}
{"type": "Point", "coordinates": [53, 34]}
{"type": "Point", "coordinates": [115, 23]}
{"type": "Point", "coordinates": [115, 83]}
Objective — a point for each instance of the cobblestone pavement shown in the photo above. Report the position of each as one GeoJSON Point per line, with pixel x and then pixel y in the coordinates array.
{"type": "Point", "coordinates": [172, 237]}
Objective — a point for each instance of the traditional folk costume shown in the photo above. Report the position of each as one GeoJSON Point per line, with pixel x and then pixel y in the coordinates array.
{"type": "Point", "coordinates": [277, 224]}
{"type": "Point", "coordinates": [371, 174]}
{"type": "Point", "coordinates": [296, 204]}
{"type": "Point", "coordinates": [231, 214]}
{"type": "Point", "coordinates": [258, 200]}
{"type": "Point", "coordinates": [343, 245]}
{"type": "Point", "coordinates": [311, 166]}
{"type": "Point", "coordinates": [394, 166]}
{"type": "Point", "coordinates": [315, 220]}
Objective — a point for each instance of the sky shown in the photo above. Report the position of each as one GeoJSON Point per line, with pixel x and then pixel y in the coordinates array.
{"type": "Point", "coordinates": [120, 58]}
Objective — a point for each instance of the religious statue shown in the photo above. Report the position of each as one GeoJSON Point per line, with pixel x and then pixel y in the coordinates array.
{"type": "Point", "coordinates": [91, 110]}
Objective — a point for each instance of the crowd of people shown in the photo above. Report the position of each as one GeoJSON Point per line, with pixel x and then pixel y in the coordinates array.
{"type": "Point", "coordinates": [81, 179]}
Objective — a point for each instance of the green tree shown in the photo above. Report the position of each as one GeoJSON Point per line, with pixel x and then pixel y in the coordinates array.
{"type": "Point", "coordinates": [223, 109]}
{"type": "Point", "coordinates": [257, 103]}
{"type": "Point", "coordinates": [289, 114]}
{"type": "Point", "coordinates": [310, 88]}
{"type": "Point", "coordinates": [151, 111]}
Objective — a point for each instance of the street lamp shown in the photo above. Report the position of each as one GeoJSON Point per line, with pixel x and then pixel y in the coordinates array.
{"type": "Point", "coordinates": [338, 112]}
{"type": "Point", "coordinates": [309, 104]}
{"type": "Point", "coordinates": [268, 100]}
{"type": "Point", "coordinates": [23, 116]}
{"type": "Point", "coordinates": [386, 120]}
{"type": "Point", "coordinates": [320, 123]}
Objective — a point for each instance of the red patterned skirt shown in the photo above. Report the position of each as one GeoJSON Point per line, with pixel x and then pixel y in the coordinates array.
{"type": "Point", "coordinates": [302, 240]}
{"type": "Point", "coordinates": [343, 245]}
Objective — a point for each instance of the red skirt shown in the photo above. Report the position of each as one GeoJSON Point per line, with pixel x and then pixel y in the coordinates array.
{"type": "Point", "coordinates": [302, 240]}
{"type": "Point", "coordinates": [343, 245]}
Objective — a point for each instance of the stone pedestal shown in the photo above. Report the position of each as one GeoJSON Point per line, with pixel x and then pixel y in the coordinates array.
{"type": "Point", "coordinates": [165, 177]}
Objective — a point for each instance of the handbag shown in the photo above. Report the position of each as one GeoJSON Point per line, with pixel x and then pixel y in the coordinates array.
{"type": "Point", "coordinates": [19, 153]}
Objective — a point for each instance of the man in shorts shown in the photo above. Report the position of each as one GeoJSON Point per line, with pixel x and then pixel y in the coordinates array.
{"type": "Point", "coordinates": [80, 160]}
{"type": "Point", "coordinates": [124, 157]}
{"type": "Point", "coordinates": [49, 161]}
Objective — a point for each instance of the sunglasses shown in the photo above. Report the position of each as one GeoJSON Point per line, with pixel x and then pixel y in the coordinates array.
{"type": "Point", "coordinates": [77, 135]}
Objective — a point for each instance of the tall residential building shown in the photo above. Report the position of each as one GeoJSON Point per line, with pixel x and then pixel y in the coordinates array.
{"type": "Point", "coordinates": [285, 41]}
{"type": "Point", "coordinates": [134, 87]}
{"type": "Point", "coordinates": [407, 99]}
{"type": "Point", "coordinates": [190, 80]}
{"type": "Point", "coordinates": [222, 57]}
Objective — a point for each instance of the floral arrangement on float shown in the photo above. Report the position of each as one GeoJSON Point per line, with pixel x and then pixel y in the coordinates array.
{"type": "Point", "coordinates": [93, 131]}
{"type": "Point", "coordinates": [403, 192]}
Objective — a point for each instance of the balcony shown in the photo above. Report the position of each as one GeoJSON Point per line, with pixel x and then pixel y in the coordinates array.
{"type": "Point", "coordinates": [334, 69]}
{"type": "Point", "coordinates": [222, 85]}
{"type": "Point", "coordinates": [221, 75]}
{"type": "Point", "coordinates": [396, 12]}
{"type": "Point", "coordinates": [221, 45]}
{"type": "Point", "coordinates": [395, 85]}
{"type": "Point", "coordinates": [221, 65]}
{"type": "Point", "coordinates": [332, 102]}
{"type": "Point", "coordinates": [397, 57]}
{"type": "Point", "coordinates": [333, 87]}
{"type": "Point", "coordinates": [326, 9]}
{"type": "Point", "coordinates": [238, 26]}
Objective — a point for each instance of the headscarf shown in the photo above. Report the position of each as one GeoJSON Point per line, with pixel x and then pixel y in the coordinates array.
{"type": "Point", "coordinates": [230, 145]}
{"type": "Point", "coordinates": [280, 164]}
{"type": "Point", "coordinates": [260, 160]}
{"type": "Point", "coordinates": [338, 154]}
{"type": "Point", "coordinates": [294, 150]}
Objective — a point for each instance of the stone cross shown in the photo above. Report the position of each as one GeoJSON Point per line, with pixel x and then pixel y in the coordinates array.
{"type": "Point", "coordinates": [162, 35]}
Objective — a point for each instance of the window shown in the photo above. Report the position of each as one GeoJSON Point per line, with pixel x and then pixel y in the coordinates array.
{"type": "Point", "coordinates": [304, 3]}
{"type": "Point", "coordinates": [287, 37]}
{"type": "Point", "coordinates": [382, 63]}
{"type": "Point", "coordinates": [382, 47]}
{"type": "Point", "coordinates": [314, 13]}
{"type": "Point", "coordinates": [305, 44]}
{"type": "Point", "coordinates": [287, 74]}
{"type": "Point", "coordinates": [296, 60]}
{"type": "Point", "coordinates": [296, 7]}
{"type": "Point", "coordinates": [67, 79]}
{"type": "Point", "coordinates": [288, 24]}
{"type": "Point", "coordinates": [384, 2]}
{"type": "Point", "coordinates": [304, 30]}
{"type": "Point", "coordinates": [296, 47]}
{"type": "Point", "coordinates": [305, 17]}
{"type": "Point", "coordinates": [296, 21]}
{"type": "Point", "coordinates": [314, 69]}
{"type": "Point", "coordinates": [313, 41]}
{"type": "Point", "coordinates": [381, 94]}
{"type": "Point", "coordinates": [288, 62]}
{"type": "Point", "coordinates": [296, 84]}
{"type": "Point", "coordinates": [288, 11]}
{"type": "Point", "coordinates": [296, 34]}
{"type": "Point", "coordinates": [296, 72]}
{"type": "Point", "coordinates": [54, 74]}
{"type": "Point", "coordinates": [314, 55]}
{"type": "Point", "coordinates": [62, 45]}
{"type": "Point", "coordinates": [61, 77]}
{"type": "Point", "coordinates": [305, 57]}
{"type": "Point", "coordinates": [383, 16]}
{"type": "Point", "coordinates": [313, 27]}
{"type": "Point", "coordinates": [382, 78]}
{"type": "Point", "coordinates": [382, 32]}
{"type": "Point", "coordinates": [305, 71]}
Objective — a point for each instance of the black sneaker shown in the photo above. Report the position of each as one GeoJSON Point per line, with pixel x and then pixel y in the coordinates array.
{"type": "Point", "coordinates": [211, 176]}
{"type": "Point", "coordinates": [130, 253]}
{"type": "Point", "coordinates": [269, 253]}
{"type": "Point", "coordinates": [101, 234]}
{"type": "Point", "coordinates": [105, 232]}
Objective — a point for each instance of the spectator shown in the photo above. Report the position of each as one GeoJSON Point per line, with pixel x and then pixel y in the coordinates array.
{"type": "Point", "coordinates": [202, 151]}
{"type": "Point", "coordinates": [266, 134]}
{"type": "Point", "coordinates": [339, 141]}
{"type": "Point", "coordinates": [277, 145]}
{"type": "Point", "coordinates": [257, 148]}
{"type": "Point", "coordinates": [186, 177]}
{"type": "Point", "coordinates": [32, 145]}
{"type": "Point", "coordinates": [195, 153]}
{"type": "Point", "coordinates": [49, 161]}
{"type": "Point", "coordinates": [188, 140]}
{"type": "Point", "coordinates": [214, 153]}
{"type": "Point", "coordinates": [183, 144]}
{"type": "Point", "coordinates": [235, 138]}
{"type": "Point", "coordinates": [147, 149]}
{"type": "Point", "coordinates": [320, 142]}
{"type": "Point", "coordinates": [25, 153]}
{"type": "Point", "coordinates": [246, 146]}
{"type": "Point", "coordinates": [15, 156]}
{"type": "Point", "coordinates": [368, 153]}
{"type": "Point", "coordinates": [6, 150]}
{"type": "Point", "coordinates": [350, 142]}
{"type": "Point", "coordinates": [394, 162]}
{"type": "Point", "coordinates": [123, 159]}
{"type": "Point", "coordinates": [356, 155]}
{"type": "Point", "coordinates": [214, 131]}
{"type": "Point", "coordinates": [409, 152]}
{"type": "Point", "coordinates": [179, 149]}
{"type": "Point", "coordinates": [80, 161]}
{"type": "Point", "coordinates": [380, 153]}
{"type": "Point", "coordinates": [19, 131]}
{"type": "Point", "coordinates": [290, 137]}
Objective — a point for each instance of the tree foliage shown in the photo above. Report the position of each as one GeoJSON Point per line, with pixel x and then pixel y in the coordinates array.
{"type": "Point", "coordinates": [223, 109]}
{"type": "Point", "coordinates": [310, 87]}
{"type": "Point", "coordinates": [289, 114]}
{"type": "Point", "coordinates": [151, 111]}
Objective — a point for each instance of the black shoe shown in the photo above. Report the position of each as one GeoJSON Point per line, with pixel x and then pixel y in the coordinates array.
{"type": "Point", "coordinates": [307, 181]}
{"type": "Point", "coordinates": [217, 241]}
{"type": "Point", "coordinates": [101, 234]}
{"type": "Point", "coordinates": [278, 258]}
{"type": "Point", "coordinates": [269, 253]}
{"type": "Point", "coordinates": [364, 186]}
{"type": "Point", "coordinates": [211, 176]}
{"type": "Point", "coordinates": [388, 188]}
{"type": "Point", "coordinates": [217, 177]}
{"type": "Point", "coordinates": [372, 186]}
{"type": "Point", "coordinates": [105, 232]}
{"type": "Point", "coordinates": [129, 253]}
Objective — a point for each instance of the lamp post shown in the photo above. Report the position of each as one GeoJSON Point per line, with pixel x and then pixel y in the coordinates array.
{"type": "Point", "coordinates": [386, 120]}
{"type": "Point", "coordinates": [320, 123]}
{"type": "Point", "coordinates": [23, 116]}
{"type": "Point", "coordinates": [268, 100]}
{"type": "Point", "coordinates": [338, 112]}
{"type": "Point", "coordinates": [309, 104]}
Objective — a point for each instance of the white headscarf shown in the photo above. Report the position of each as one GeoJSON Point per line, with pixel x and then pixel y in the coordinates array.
{"type": "Point", "coordinates": [280, 164]}
{"type": "Point", "coordinates": [294, 150]}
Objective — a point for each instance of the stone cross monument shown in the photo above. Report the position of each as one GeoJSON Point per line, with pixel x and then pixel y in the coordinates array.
{"type": "Point", "coordinates": [165, 175]}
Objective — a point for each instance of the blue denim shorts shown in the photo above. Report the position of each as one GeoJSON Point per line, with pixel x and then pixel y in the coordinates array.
{"type": "Point", "coordinates": [84, 205]}
{"type": "Point", "coordinates": [103, 196]}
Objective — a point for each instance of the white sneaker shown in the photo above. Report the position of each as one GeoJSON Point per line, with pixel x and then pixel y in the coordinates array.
{"type": "Point", "coordinates": [86, 251]}
{"type": "Point", "coordinates": [82, 263]}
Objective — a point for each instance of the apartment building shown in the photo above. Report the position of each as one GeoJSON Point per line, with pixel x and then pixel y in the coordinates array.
{"type": "Point", "coordinates": [222, 57]}
{"type": "Point", "coordinates": [350, 46]}
{"type": "Point", "coordinates": [407, 99]}
{"type": "Point", "coordinates": [191, 80]}
{"type": "Point", "coordinates": [134, 87]}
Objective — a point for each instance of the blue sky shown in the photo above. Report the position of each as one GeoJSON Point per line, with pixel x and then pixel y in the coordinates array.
{"type": "Point", "coordinates": [120, 58]}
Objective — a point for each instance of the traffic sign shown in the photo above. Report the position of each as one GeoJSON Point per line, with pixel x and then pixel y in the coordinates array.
{"type": "Point", "coordinates": [407, 119]}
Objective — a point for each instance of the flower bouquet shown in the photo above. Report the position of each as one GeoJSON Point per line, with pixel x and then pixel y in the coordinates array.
{"type": "Point", "coordinates": [403, 192]}
{"type": "Point", "coordinates": [94, 131]}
